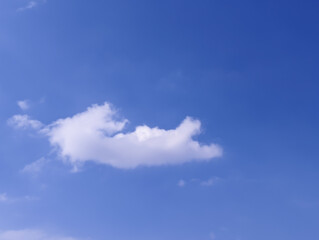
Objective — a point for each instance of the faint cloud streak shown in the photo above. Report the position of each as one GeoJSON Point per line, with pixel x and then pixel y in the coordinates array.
{"type": "Point", "coordinates": [24, 122]}
{"type": "Point", "coordinates": [24, 104]}
{"type": "Point", "coordinates": [30, 234]}
{"type": "Point", "coordinates": [35, 167]}
{"type": "Point", "coordinates": [181, 183]}
{"type": "Point", "coordinates": [30, 5]}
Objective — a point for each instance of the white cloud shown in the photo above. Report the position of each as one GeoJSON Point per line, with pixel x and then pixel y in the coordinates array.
{"type": "Point", "coordinates": [30, 234]}
{"type": "Point", "coordinates": [24, 104]}
{"type": "Point", "coordinates": [210, 182]}
{"type": "Point", "coordinates": [24, 122]}
{"type": "Point", "coordinates": [206, 183]}
{"type": "Point", "coordinates": [36, 166]}
{"type": "Point", "coordinates": [30, 5]}
{"type": "Point", "coordinates": [4, 198]}
{"type": "Point", "coordinates": [97, 135]}
{"type": "Point", "coordinates": [181, 183]}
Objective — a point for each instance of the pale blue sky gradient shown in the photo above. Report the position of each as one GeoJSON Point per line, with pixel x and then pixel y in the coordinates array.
{"type": "Point", "coordinates": [247, 70]}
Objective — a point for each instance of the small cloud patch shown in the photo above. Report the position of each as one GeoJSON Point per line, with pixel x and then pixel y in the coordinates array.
{"type": "Point", "coordinates": [181, 183]}
{"type": "Point", "coordinates": [24, 104]}
{"type": "Point", "coordinates": [24, 122]}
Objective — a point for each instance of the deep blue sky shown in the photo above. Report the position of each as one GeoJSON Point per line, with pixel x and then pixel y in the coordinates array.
{"type": "Point", "coordinates": [248, 70]}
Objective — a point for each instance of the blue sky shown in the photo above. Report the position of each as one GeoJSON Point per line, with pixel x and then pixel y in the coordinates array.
{"type": "Point", "coordinates": [154, 120]}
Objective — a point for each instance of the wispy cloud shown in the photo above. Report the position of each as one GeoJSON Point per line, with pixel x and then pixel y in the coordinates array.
{"type": "Point", "coordinates": [196, 181]}
{"type": "Point", "coordinates": [98, 135]}
{"type": "Point", "coordinates": [181, 183]}
{"type": "Point", "coordinates": [30, 234]}
{"type": "Point", "coordinates": [24, 122]}
{"type": "Point", "coordinates": [24, 104]}
{"type": "Point", "coordinates": [30, 5]}
{"type": "Point", "coordinates": [35, 167]}
{"type": "Point", "coordinates": [210, 182]}
{"type": "Point", "coordinates": [3, 197]}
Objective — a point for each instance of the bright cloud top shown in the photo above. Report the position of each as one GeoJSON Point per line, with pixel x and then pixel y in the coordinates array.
{"type": "Point", "coordinates": [97, 135]}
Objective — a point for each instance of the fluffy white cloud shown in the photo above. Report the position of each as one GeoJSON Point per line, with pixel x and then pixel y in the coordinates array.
{"type": "Point", "coordinates": [30, 234]}
{"type": "Point", "coordinates": [24, 104]}
{"type": "Point", "coordinates": [97, 135]}
{"type": "Point", "coordinates": [24, 121]}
